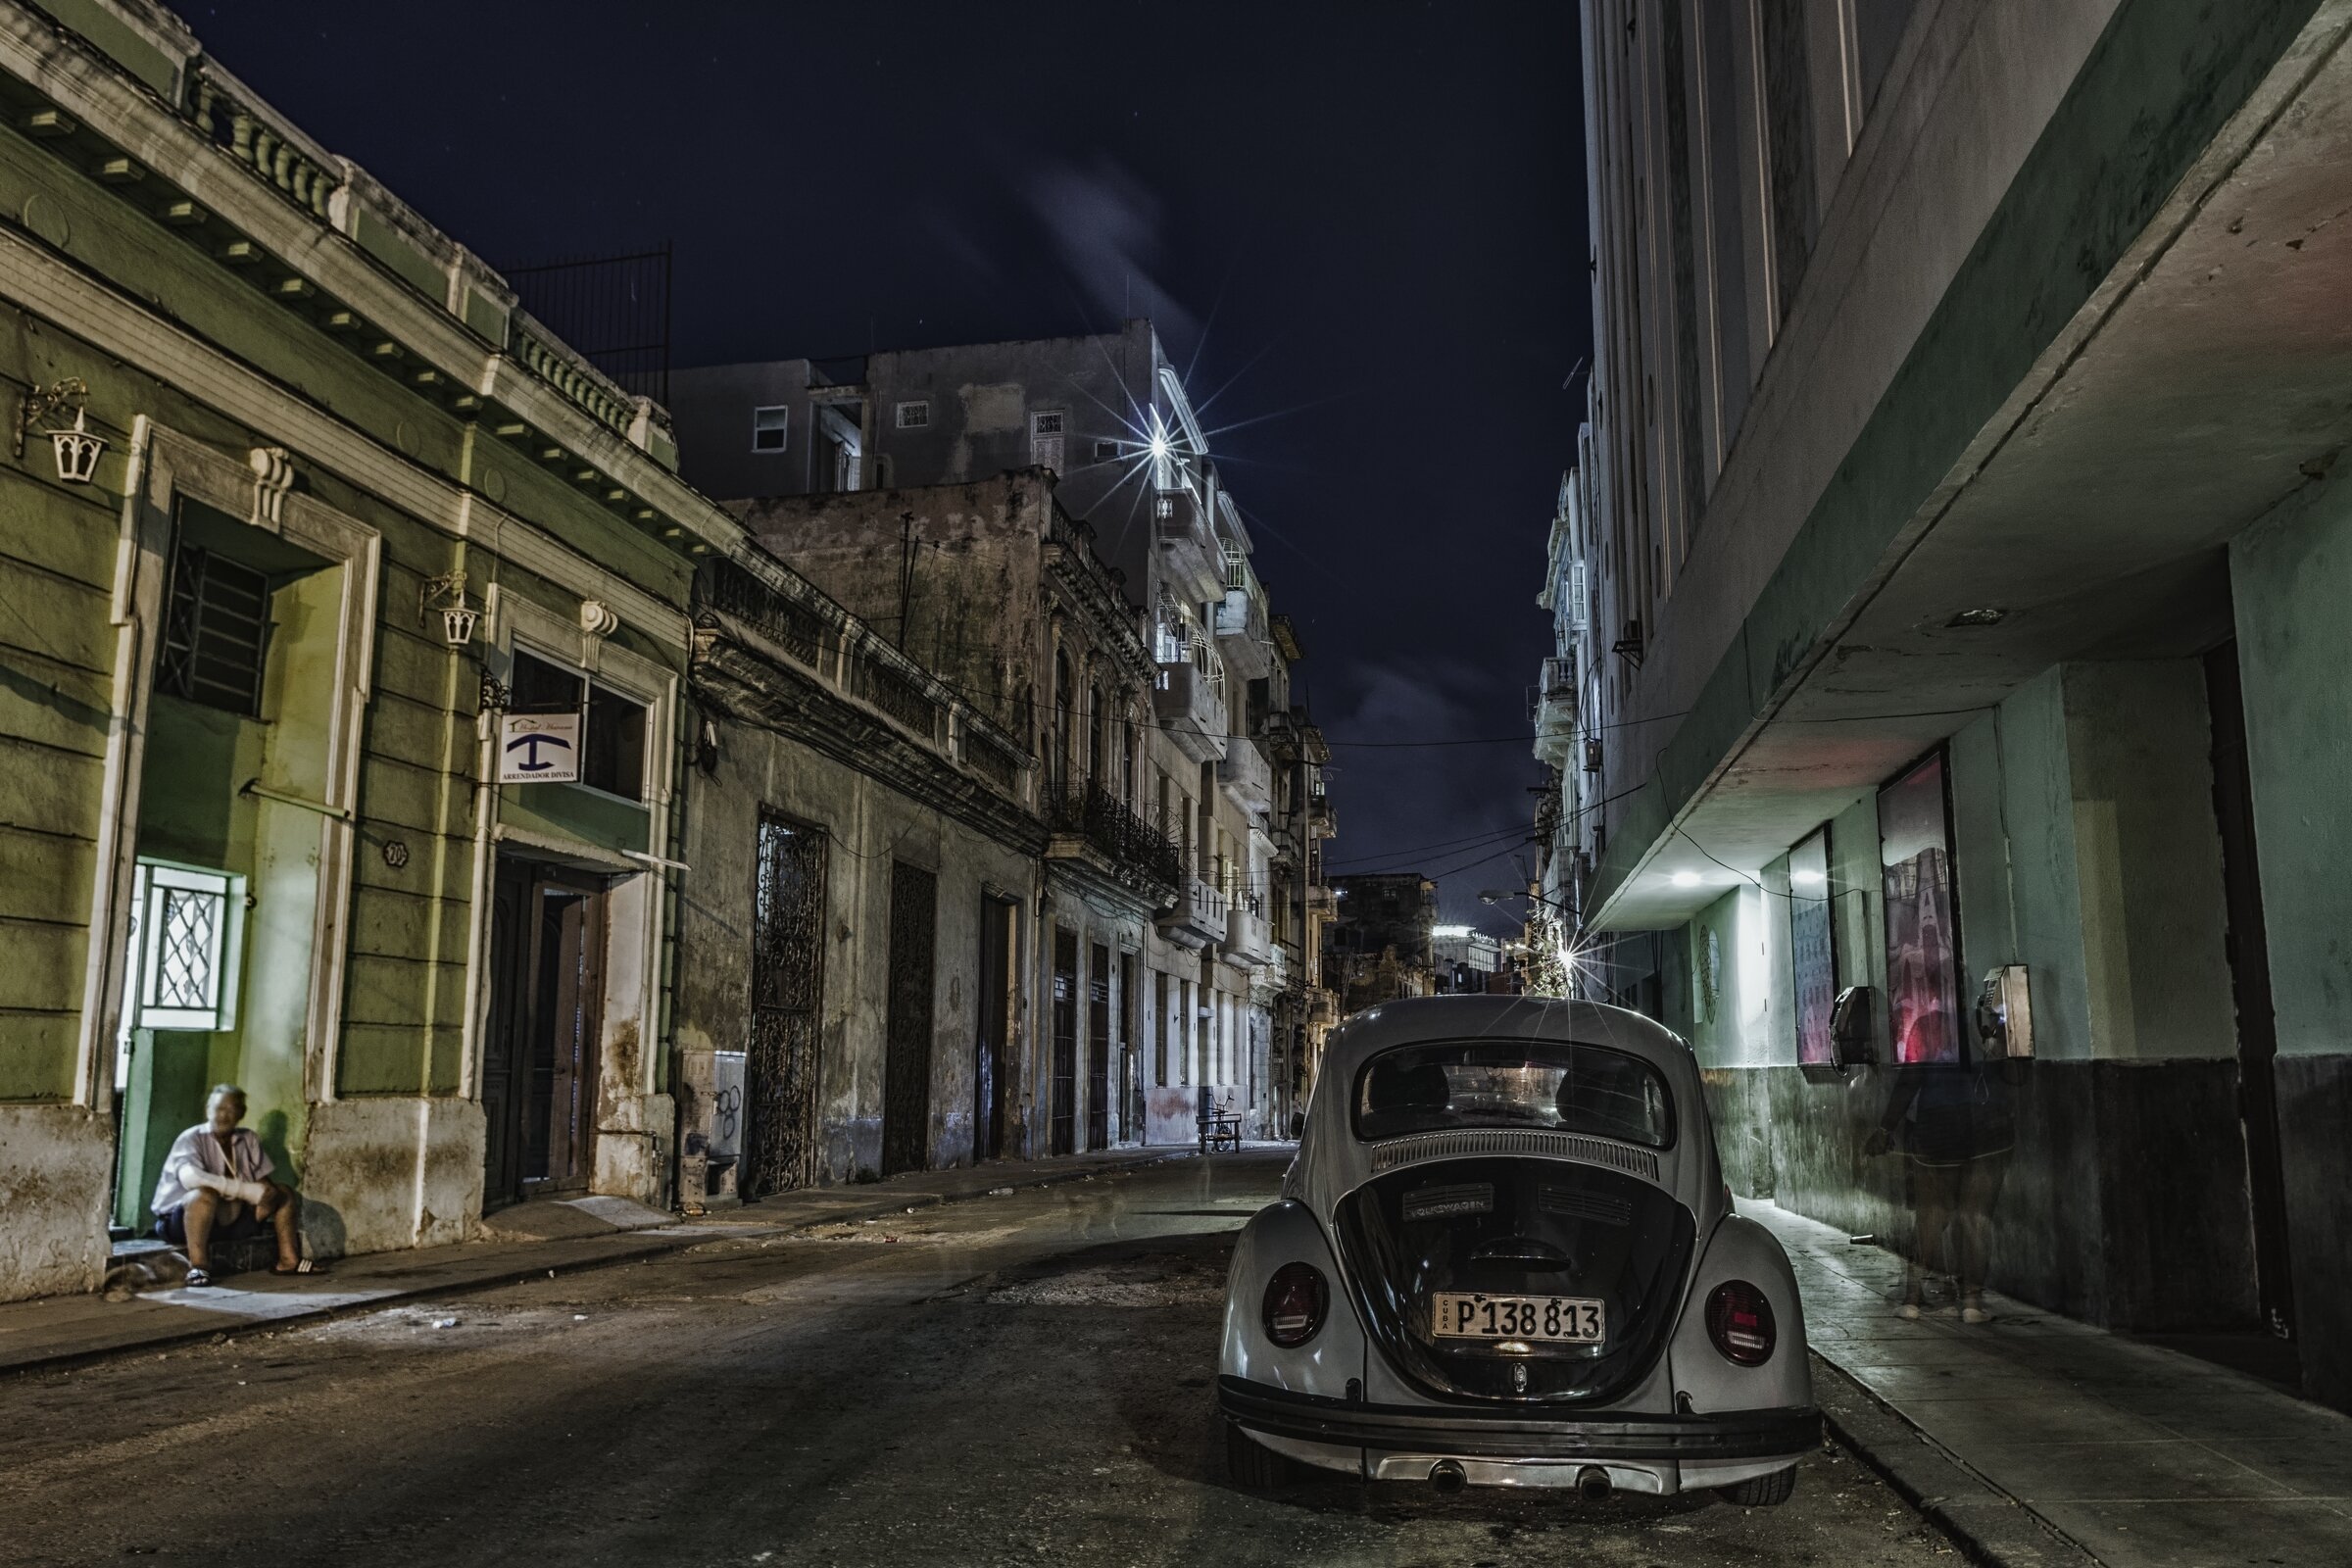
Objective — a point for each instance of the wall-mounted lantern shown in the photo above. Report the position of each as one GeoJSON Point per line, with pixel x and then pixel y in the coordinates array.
{"type": "Point", "coordinates": [447, 593]}
{"type": "Point", "coordinates": [78, 449]}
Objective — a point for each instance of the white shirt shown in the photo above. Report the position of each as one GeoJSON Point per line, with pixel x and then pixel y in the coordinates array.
{"type": "Point", "coordinates": [198, 1149]}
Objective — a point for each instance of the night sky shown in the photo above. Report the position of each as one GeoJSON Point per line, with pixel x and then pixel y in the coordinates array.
{"type": "Point", "coordinates": [1361, 225]}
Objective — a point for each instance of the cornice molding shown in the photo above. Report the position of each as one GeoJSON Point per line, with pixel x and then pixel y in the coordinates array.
{"type": "Point", "coordinates": [113, 323]}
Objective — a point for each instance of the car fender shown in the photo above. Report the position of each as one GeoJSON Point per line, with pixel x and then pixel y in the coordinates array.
{"type": "Point", "coordinates": [1288, 1232]}
{"type": "Point", "coordinates": [1704, 1377]}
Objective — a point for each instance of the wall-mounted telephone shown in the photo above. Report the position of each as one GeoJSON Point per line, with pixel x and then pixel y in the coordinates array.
{"type": "Point", "coordinates": [2005, 1012]}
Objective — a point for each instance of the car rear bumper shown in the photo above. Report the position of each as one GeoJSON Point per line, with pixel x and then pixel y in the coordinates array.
{"type": "Point", "coordinates": [1715, 1444]}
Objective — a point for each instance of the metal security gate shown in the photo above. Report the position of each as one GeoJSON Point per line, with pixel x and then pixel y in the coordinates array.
{"type": "Point", "coordinates": [788, 988]}
{"type": "Point", "coordinates": [991, 1056]}
{"type": "Point", "coordinates": [908, 1022]}
{"type": "Point", "coordinates": [1097, 1049]}
{"type": "Point", "coordinates": [1065, 1043]}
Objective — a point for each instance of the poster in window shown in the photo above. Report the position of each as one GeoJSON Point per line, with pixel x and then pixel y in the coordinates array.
{"type": "Point", "coordinates": [1812, 949]}
{"type": "Point", "coordinates": [1923, 939]}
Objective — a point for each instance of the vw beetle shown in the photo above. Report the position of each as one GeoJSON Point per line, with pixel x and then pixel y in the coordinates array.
{"type": "Point", "coordinates": [1505, 1255]}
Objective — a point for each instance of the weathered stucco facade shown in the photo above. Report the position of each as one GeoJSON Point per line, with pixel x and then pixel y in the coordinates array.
{"type": "Point", "coordinates": [1084, 577]}
{"type": "Point", "coordinates": [830, 757]}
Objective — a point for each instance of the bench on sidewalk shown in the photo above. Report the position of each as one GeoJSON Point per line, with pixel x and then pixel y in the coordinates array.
{"type": "Point", "coordinates": [1220, 1124]}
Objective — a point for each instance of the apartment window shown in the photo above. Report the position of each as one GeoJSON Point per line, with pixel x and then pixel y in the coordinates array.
{"type": "Point", "coordinates": [215, 632]}
{"type": "Point", "coordinates": [1046, 438]}
{"type": "Point", "coordinates": [612, 738]}
{"type": "Point", "coordinates": [767, 429]}
{"type": "Point", "coordinates": [614, 757]}
{"type": "Point", "coordinates": [915, 414]}
{"type": "Point", "coordinates": [1106, 451]}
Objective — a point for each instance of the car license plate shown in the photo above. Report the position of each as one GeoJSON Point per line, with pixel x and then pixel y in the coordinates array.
{"type": "Point", "coordinates": [1475, 1315]}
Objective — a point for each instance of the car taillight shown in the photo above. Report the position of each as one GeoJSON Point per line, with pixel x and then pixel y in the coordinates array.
{"type": "Point", "coordinates": [1739, 1322]}
{"type": "Point", "coordinates": [1295, 1297]}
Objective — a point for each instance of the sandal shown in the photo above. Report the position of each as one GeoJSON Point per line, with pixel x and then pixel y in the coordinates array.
{"type": "Point", "coordinates": [199, 1276]}
{"type": "Point", "coordinates": [307, 1265]}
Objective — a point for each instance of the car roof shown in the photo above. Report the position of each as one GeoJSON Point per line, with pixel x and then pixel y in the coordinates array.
{"type": "Point", "coordinates": [1333, 1160]}
{"type": "Point", "coordinates": [1414, 1020]}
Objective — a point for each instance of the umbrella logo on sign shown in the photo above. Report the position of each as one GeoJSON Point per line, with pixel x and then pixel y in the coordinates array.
{"type": "Point", "coordinates": [539, 749]}
{"type": "Point", "coordinates": [529, 745]}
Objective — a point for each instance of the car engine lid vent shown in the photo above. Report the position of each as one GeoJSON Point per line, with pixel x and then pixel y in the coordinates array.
{"type": "Point", "coordinates": [1393, 1154]}
{"type": "Point", "coordinates": [1569, 1203]}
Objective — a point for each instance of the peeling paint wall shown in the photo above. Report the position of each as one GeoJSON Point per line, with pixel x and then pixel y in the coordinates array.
{"type": "Point", "coordinates": [869, 825]}
{"type": "Point", "coordinates": [55, 1175]}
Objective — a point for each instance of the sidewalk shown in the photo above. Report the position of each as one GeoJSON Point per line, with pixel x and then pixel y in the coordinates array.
{"type": "Point", "coordinates": [558, 1236]}
{"type": "Point", "coordinates": [2122, 1453]}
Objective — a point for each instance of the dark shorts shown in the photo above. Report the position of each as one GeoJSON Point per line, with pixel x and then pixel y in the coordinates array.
{"type": "Point", "coordinates": [173, 1226]}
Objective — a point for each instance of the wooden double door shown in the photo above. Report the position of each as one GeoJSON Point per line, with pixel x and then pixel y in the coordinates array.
{"type": "Point", "coordinates": [539, 1061]}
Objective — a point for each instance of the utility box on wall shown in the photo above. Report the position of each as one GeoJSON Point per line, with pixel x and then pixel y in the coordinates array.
{"type": "Point", "coordinates": [2005, 1012]}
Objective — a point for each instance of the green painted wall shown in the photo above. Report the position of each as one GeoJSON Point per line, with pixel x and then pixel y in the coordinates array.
{"type": "Point", "coordinates": [407, 924]}
{"type": "Point", "coordinates": [2290, 577]}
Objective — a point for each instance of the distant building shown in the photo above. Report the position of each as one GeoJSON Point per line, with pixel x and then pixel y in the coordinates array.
{"type": "Point", "coordinates": [1043, 524]}
{"type": "Point", "coordinates": [1464, 957]}
{"type": "Point", "coordinates": [1382, 944]}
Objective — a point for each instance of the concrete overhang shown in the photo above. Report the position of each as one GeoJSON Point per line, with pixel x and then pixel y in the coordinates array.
{"type": "Point", "coordinates": [2208, 377]}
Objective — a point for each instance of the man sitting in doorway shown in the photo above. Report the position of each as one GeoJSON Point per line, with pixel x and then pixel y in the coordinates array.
{"type": "Point", "coordinates": [215, 1187]}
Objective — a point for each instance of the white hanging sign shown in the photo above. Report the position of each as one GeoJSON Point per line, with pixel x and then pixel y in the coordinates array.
{"type": "Point", "coordinates": [539, 749]}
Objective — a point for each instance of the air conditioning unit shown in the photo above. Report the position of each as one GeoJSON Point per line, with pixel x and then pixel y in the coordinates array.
{"type": "Point", "coordinates": [1592, 755]}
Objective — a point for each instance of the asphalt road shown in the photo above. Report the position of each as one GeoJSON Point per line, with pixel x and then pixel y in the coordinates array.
{"type": "Point", "coordinates": [1014, 1380]}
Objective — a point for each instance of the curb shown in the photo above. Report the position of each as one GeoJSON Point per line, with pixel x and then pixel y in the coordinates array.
{"type": "Point", "coordinates": [1990, 1525]}
{"type": "Point", "coordinates": [884, 1207]}
{"type": "Point", "coordinates": [230, 1327]}
{"type": "Point", "coordinates": [628, 1246]}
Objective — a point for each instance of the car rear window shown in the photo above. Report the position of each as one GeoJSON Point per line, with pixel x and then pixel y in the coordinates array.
{"type": "Point", "coordinates": [1548, 1085]}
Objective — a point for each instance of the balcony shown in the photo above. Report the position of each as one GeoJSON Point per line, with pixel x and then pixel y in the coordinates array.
{"type": "Point", "coordinates": [1199, 918]}
{"type": "Point", "coordinates": [1322, 1009]}
{"type": "Point", "coordinates": [1551, 708]}
{"type": "Point", "coordinates": [1092, 826]}
{"type": "Point", "coordinates": [1249, 939]}
{"type": "Point", "coordinates": [1247, 775]}
{"type": "Point", "coordinates": [1191, 558]}
{"type": "Point", "coordinates": [1241, 628]}
{"type": "Point", "coordinates": [1189, 705]}
{"type": "Point", "coordinates": [1321, 822]}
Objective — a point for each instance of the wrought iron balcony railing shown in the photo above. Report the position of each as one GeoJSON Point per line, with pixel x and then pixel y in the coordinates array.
{"type": "Point", "coordinates": [1099, 818]}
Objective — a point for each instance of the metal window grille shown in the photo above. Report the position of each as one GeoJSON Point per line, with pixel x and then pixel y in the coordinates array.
{"type": "Point", "coordinates": [215, 632]}
{"type": "Point", "coordinates": [914, 415]}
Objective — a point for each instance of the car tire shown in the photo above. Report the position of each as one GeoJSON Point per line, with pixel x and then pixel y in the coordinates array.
{"type": "Point", "coordinates": [1253, 1466]}
{"type": "Point", "coordinates": [1763, 1491]}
